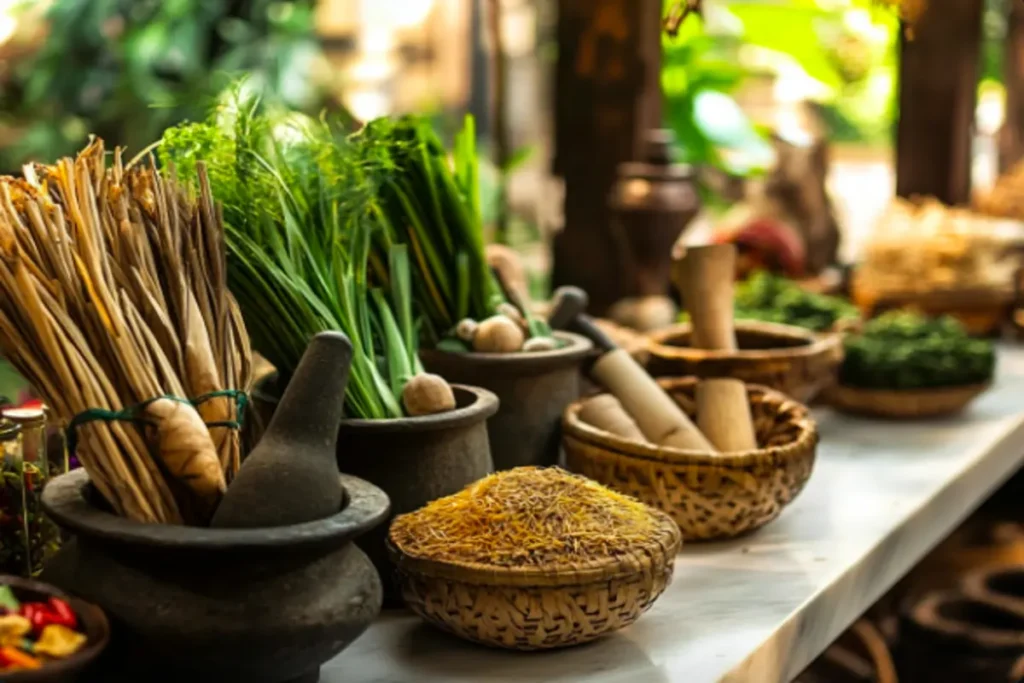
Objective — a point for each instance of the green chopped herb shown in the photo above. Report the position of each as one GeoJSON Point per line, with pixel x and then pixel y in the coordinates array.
{"type": "Point", "coordinates": [901, 350]}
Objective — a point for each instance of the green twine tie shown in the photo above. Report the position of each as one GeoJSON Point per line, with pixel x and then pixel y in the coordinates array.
{"type": "Point", "coordinates": [132, 413]}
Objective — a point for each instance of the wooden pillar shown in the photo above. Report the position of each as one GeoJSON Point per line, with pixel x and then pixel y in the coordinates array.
{"type": "Point", "coordinates": [607, 91]}
{"type": "Point", "coordinates": [938, 93]}
{"type": "Point", "coordinates": [1011, 136]}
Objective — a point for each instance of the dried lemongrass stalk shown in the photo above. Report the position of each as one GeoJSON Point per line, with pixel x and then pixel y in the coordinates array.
{"type": "Point", "coordinates": [113, 294]}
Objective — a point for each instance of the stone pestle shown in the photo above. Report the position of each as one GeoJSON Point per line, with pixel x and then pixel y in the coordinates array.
{"type": "Point", "coordinates": [292, 475]}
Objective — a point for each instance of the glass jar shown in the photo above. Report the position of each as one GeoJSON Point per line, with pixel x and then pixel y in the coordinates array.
{"type": "Point", "coordinates": [27, 537]}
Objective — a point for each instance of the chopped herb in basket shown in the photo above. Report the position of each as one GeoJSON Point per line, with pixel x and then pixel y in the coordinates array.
{"type": "Point", "coordinates": [900, 350]}
{"type": "Point", "coordinates": [771, 298]}
{"type": "Point", "coordinates": [775, 299]}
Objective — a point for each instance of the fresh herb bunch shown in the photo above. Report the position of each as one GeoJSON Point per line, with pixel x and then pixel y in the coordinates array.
{"type": "Point", "coordinates": [900, 350]}
{"type": "Point", "coordinates": [301, 216]}
{"type": "Point", "coordinates": [771, 298]}
{"type": "Point", "coordinates": [433, 205]}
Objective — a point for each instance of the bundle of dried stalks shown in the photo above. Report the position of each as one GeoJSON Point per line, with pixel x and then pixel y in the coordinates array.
{"type": "Point", "coordinates": [113, 293]}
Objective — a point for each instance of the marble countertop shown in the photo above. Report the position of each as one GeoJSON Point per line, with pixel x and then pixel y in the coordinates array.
{"type": "Point", "coordinates": [761, 608]}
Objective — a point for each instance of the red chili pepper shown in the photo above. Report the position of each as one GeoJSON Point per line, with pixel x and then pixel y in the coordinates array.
{"type": "Point", "coordinates": [65, 616]}
{"type": "Point", "coordinates": [39, 614]}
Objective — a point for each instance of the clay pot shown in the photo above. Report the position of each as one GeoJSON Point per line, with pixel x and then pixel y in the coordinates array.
{"type": "Point", "coordinates": [416, 460]}
{"type": "Point", "coordinates": [1001, 585]}
{"type": "Point", "coordinates": [652, 202]}
{"type": "Point", "coordinates": [533, 390]}
{"type": "Point", "coordinates": [860, 654]}
{"type": "Point", "coordinates": [979, 546]}
{"type": "Point", "coordinates": [950, 638]}
{"type": "Point", "coordinates": [212, 605]}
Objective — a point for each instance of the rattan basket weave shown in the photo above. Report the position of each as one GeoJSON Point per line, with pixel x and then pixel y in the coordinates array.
{"type": "Point", "coordinates": [708, 496]}
{"type": "Point", "coordinates": [538, 608]}
{"type": "Point", "coordinates": [789, 359]}
{"type": "Point", "coordinates": [903, 404]}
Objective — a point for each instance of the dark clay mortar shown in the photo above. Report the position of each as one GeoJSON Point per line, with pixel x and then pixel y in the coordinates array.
{"type": "Point", "coordinates": [414, 460]}
{"type": "Point", "coordinates": [212, 605]}
{"type": "Point", "coordinates": [533, 390]}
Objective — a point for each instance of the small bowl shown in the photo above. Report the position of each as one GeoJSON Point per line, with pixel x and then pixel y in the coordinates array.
{"type": "Point", "coordinates": [538, 608]}
{"type": "Point", "coordinates": [795, 361]}
{"type": "Point", "coordinates": [903, 404]}
{"type": "Point", "coordinates": [91, 621]}
{"type": "Point", "coordinates": [710, 496]}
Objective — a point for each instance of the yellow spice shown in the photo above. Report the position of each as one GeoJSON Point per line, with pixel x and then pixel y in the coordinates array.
{"type": "Point", "coordinates": [528, 516]}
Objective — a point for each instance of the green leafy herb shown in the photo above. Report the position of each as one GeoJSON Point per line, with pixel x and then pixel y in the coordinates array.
{"type": "Point", "coordinates": [768, 297]}
{"type": "Point", "coordinates": [900, 350]}
{"type": "Point", "coordinates": [433, 206]}
{"type": "Point", "coordinates": [302, 220]}
{"type": "Point", "coordinates": [771, 298]}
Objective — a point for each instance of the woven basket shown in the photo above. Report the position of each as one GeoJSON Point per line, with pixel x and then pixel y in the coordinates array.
{"type": "Point", "coordinates": [708, 496]}
{"type": "Point", "coordinates": [538, 608]}
{"type": "Point", "coordinates": [981, 310]}
{"type": "Point", "coordinates": [789, 359]}
{"type": "Point", "coordinates": [902, 404]}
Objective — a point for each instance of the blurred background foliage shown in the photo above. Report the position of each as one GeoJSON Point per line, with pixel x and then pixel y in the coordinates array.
{"type": "Point", "coordinates": [841, 55]}
{"type": "Point", "coordinates": [127, 69]}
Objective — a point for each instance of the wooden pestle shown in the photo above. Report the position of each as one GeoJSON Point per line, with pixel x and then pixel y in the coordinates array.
{"type": "Point", "coordinates": [291, 476]}
{"type": "Point", "coordinates": [659, 418]}
{"type": "Point", "coordinates": [723, 415]}
{"type": "Point", "coordinates": [605, 412]}
{"type": "Point", "coordinates": [704, 278]}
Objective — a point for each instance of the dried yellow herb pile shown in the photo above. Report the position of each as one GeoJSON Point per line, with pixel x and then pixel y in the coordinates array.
{"type": "Point", "coordinates": [529, 516]}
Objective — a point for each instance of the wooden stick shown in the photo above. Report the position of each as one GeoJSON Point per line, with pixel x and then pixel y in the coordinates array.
{"type": "Point", "coordinates": [723, 415]}
{"type": "Point", "coordinates": [704, 277]}
{"type": "Point", "coordinates": [605, 412]}
{"type": "Point", "coordinates": [659, 418]}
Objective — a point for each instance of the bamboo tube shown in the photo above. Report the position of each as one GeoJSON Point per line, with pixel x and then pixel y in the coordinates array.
{"type": "Point", "coordinates": [704, 277]}
{"type": "Point", "coordinates": [605, 412]}
{"type": "Point", "coordinates": [723, 415]}
{"type": "Point", "coordinates": [659, 418]}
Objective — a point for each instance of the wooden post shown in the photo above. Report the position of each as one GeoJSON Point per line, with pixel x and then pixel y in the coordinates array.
{"type": "Point", "coordinates": [1011, 136]}
{"type": "Point", "coordinates": [938, 94]}
{"type": "Point", "coordinates": [606, 93]}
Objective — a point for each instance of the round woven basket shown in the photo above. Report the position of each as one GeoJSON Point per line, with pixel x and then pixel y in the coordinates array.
{"type": "Point", "coordinates": [538, 608]}
{"type": "Point", "coordinates": [902, 404]}
{"type": "Point", "coordinates": [708, 496]}
{"type": "Point", "coordinates": [789, 359]}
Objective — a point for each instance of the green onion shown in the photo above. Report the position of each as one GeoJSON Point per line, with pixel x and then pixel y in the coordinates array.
{"type": "Point", "coordinates": [304, 234]}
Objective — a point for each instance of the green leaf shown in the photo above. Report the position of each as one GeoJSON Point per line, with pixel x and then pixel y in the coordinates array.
{"type": "Point", "coordinates": [793, 29]}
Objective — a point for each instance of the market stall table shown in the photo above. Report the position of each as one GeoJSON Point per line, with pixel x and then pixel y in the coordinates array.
{"type": "Point", "coordinates": [759, 609]}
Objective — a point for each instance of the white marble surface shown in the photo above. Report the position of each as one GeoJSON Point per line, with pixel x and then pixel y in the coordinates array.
{"type": "Point", "coordinates": [759, 609]}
